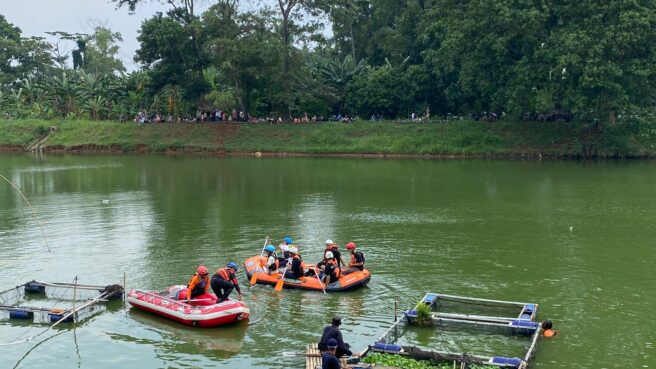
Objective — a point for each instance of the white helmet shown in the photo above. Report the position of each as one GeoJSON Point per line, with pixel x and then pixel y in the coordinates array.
{"type": "Point", "coordinates": [293, 250]}
{"type": "Point", "coordinates": [329, 242]}
{"type": "Point", "coordinates": [329, 255]}
{"type": "Point", "coordinates": [284, 248]}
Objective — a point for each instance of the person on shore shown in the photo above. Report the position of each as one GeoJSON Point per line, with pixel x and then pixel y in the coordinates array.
{"type": "Point", "coordinates": [328, 358]}
{"type": "Point", "coordinates": [547, 329]}
{"type": "Point", "coordinates": [272, 263]}
{"type": "Point", "coordinates": [296, 271]}
{"type": "Point", "coordinates": [224, 281]}
{"type": "Point", "coordinates": [198, 284]}
{"type": "Point", "coordinates": [332, 332]}
{"type": "Point", "coordinates": [357, 259]}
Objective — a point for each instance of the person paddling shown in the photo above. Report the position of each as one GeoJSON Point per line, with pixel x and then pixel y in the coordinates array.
{"type": "Point", "coordinates": [357, 259]}
{"type": "Point", "coordinates": [224, 281]}
{"type": "Point", "coordinates": [272, 263]}
{"type": "Point", "coordinates": [286, 244]}
{"type": "Point", "coordinates": [198, 284]}
{"type": "Point", "coordinates": [328, 358]}
{"type": "Point", "coordinates": [296, 270]}
{"type": "Point", "coordinates": [332, 332]}
{"type": "Point", "coordinates": [330, 271]}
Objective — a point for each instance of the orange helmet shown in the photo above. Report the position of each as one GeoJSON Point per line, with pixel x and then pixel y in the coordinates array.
{"type": "Point", "coordinates": [350, 246]}
{"type": "Point", "coordinates": [201, 270]}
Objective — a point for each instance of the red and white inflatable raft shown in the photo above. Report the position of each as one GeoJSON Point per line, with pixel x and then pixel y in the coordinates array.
{"type": "Point", "coordinates": [203, 311]}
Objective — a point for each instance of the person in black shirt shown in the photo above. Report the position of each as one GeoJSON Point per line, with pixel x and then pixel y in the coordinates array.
{"type": "Point", "coordinates": [357, 259]}
{"type": "Point", "coordinates": [296, 271]}
{"type": "Point", "coordinates": [332, 332]}
{"type": "Point", "coordinates": [328, 358]}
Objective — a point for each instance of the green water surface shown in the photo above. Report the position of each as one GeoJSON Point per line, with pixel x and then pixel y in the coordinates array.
{"type": "Point", "coordinates": [575, 237]}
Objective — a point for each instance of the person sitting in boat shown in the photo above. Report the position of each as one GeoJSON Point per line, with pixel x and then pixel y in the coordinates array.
{"type": "Point", "coordinates": [282, 260]}
{"type": "Point", "coordinates": [198, 284]}
{"type": "Point", "coordinates": [296, 271]}
{"type": "Point", "coordinates": [224, 281]}
{"type": "Point", "coordinates": [328, 359]}
{"type": "Point", "coordinates": [272, 263]}
{"type": "Point", "coordinates": [330, 271]}
{"type": "Point", "coordinates": [357, 259]}
{"type": "Point", "coordinates": [332, 332]}
{"type": "Point", "coordinates": [332, 247]}
{"type": "Point", "coordinates": [547, 329]}
{"type": "Point", "coordinates": [287, 242]}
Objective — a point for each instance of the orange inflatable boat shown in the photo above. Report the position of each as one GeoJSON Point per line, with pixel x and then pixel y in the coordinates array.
{"type": "Point", "coordinates": [344, 283]}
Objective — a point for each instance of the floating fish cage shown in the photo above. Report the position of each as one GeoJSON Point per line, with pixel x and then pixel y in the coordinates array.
{"type": "Point", "coordinates": [47, 302]}
{"type": "Point", "coordinates": [516, 320]}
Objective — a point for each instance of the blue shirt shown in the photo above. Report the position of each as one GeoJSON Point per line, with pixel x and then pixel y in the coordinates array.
{"type": "Point", "coordinates": [329, 361]}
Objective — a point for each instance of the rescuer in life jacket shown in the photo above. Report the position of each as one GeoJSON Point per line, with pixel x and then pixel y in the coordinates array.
{"type": "Point", "coordinates": [330, 271]}
{"type": "Point", "coordinates": [295, 271]}
{"type": "Point", "coordinates": [198, 284]}
{"type": "Point", "coordinates": [272, 263]}
{"type": "Point", "coordinates": [357, 259]}
{"type": "Point", "coordinates": [224, 281]}
{"type": "Point", "coordinates": [547, 329]}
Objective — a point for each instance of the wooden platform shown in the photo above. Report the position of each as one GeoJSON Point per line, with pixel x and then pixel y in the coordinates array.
{"type": "Point", "coordinates": [313, 358]}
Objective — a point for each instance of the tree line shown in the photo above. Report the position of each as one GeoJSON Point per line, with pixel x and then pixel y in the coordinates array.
{"type": "Point", "coordinates": [588, 59]}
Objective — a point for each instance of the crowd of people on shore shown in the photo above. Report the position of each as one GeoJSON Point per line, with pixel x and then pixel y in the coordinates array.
{"type": "Point", "coordinates": [220, 116]}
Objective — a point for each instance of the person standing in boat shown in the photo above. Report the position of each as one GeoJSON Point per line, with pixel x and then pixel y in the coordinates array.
{"type": "Point", "coordinates": [272, 263]}
{"type": "Point", "coordinates": [328, 359]}
{"type": "Point", "coordinates": [296, 270]}
{"type": "Point", "coordinates": [357, 259]}
{"type": "Point", "coordinates": [198, 284]}
{"type": "Point", "coordinates": [224, 281]}
{"type": "Point", "coordinates": [332, 332]}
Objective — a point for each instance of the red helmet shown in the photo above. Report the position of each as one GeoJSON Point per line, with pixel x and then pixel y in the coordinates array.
{"type": "Point", "coordinates": [350, 246]}
{"type": "Point", "coordinates": [201, 270]}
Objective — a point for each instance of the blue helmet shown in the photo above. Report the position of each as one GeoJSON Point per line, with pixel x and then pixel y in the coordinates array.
{"type": "Point", "coordinates": [288, 240]}
{"type": "Point", "coordinates": [232, 265]}
{"type": "Point", "coordinates": [270, 248]}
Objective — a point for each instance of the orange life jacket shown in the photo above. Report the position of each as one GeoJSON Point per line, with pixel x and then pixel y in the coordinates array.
{"type": "Point", "coordinates": [549, 333]}
{"type": "Point", "coordinates": [224, 273]}
{"type": "Point", "coordinates": [338, 271]}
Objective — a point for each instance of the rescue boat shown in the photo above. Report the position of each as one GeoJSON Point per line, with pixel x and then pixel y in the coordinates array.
{"type": "Point", "coordinates": [203, 311]}
{"type": "Point", "coordinates": [344, 283]}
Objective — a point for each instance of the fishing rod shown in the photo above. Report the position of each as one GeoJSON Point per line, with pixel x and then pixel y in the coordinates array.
{"type": "Point", "coordinates": [31, 208]}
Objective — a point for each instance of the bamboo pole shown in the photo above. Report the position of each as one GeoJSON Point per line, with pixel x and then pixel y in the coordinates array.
{"type": "Point", "coordinates": [474, 299]}
{"type": "Point", "coordinates": [74, 297]}
{"type": "Point", "coordinates": [496, 319]}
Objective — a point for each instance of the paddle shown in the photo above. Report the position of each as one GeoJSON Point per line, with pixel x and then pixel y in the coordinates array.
{"type": "Point", "coordinates": [316, 273]}
{"type": "Point", "coordinates": [254, 277]}
{"type": "Point", "coordinates": [282, 278]}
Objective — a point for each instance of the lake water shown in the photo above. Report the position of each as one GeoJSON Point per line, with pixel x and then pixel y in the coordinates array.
{"type": "Point", "coordinates": [575, 237]}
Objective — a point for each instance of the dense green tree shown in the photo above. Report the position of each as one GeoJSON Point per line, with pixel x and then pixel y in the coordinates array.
{"type": "Point", "coordinates": [101, 52]}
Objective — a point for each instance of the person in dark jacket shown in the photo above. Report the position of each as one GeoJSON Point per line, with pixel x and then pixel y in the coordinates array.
{"type": "Point", "coordinates": [332, 332]}
{"type": "Point", "coordinates": [328, 358]}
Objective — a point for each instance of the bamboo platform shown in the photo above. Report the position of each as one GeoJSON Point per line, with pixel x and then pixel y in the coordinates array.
{"type": "Point", "coordinates": [313, 358]}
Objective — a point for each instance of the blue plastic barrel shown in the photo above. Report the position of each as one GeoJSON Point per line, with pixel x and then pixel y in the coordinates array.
{"type": "Point", "coordinates": [387, 347]}
{"type": "Point", "coordinates": [32, 287]}
{"type": "Point", "coordinates": [57, 317]}
{"type": "Point", "coordinates": [514, 361]}
{"type": "Point", "coordinates": [21, 314]}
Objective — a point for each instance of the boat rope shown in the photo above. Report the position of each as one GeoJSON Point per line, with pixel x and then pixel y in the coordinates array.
{"type": "Point", "coordinates": [31, 208]}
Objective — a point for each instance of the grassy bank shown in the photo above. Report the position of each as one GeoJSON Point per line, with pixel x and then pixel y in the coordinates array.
{"type": "Point", "coordinates": [458, 138]}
